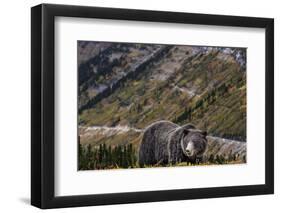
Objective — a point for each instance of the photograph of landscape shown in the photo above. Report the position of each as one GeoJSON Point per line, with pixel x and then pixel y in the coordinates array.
{"type": "Point", "coordinates": [160, 105]}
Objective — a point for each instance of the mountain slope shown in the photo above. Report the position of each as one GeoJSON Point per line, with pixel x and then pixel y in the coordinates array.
{"type": "Point", "coordinates": [206, 87]}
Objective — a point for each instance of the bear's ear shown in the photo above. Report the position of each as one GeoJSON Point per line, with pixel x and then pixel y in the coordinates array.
{"type": "Point", "coordinates": [188, 126]}
{"type": "Point", "coordinates": [204, 133]}
{"type": "Point", "coordinates": [185, 131]}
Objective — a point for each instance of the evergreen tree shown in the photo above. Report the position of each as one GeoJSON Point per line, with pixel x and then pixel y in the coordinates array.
{"type": "Point", "coordinates": [108, 155]}
{"type": "Point", "coordinates": [89, 155]}
{"type": "Point", "coordinates": [100, 154]}
{"type": "Point", "coordinates": [124, 157]}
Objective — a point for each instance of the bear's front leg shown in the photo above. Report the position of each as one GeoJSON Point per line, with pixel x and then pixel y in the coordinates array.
{"type": "Point", "coordinates": [199, 160]}
{"type": "Point", "coordinates": [196, 160]}
{"type": "Point", "coordinates": [175, 153]}
{"type": "Point", "coordinates": [173, 157]}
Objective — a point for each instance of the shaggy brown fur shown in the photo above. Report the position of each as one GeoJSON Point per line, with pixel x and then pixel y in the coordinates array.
{"type": "Point", "coordinates": [165, 143]}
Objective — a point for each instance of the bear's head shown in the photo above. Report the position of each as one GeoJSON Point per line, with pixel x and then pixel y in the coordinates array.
{"type": "Point", "coordinates": [193, 142]}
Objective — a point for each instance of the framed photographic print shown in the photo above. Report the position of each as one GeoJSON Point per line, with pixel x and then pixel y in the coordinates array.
{"type": "Point", "coordinates": [139, 106]}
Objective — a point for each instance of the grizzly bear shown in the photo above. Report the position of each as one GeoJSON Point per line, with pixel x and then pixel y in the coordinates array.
{"type": "Point", "coordinates": [166, 143]}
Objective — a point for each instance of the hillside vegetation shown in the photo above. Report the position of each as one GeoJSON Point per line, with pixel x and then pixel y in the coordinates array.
{"type": "Point", "coordinates": [134, 85]}
{"type": "Point", "coordinates": [118, 148]}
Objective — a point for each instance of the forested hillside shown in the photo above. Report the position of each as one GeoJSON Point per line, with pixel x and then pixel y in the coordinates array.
{"type": "Point", "coordinates": [132, 85]}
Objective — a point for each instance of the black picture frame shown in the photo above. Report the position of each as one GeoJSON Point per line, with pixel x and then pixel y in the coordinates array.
{"type": "Point", "coordinates": [43, 102]}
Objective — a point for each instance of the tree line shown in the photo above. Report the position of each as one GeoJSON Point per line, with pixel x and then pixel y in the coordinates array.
{"type": "Point", "coordinates": [106, 156]}
{"type": "Point", "coordinates": [124, 156]}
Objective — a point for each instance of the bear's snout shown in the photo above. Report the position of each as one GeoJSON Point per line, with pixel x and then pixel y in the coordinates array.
{"type": "Point", "coordinates": [188, 152]}
{"type": "Point", "coordinates": [189, 149]}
